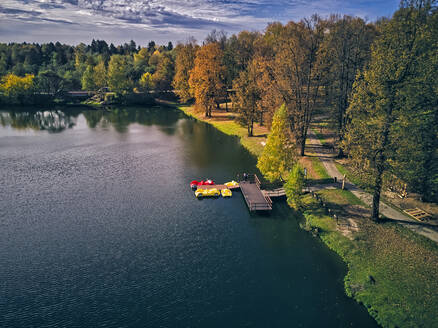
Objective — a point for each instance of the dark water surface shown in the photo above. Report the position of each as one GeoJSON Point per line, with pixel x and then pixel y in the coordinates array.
{"type": "Point", "coordinates": [99, 228]}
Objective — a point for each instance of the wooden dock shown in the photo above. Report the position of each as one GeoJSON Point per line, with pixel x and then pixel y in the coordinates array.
{"type": "Point", "coordinates": [254, 197]}
{"type": "Point", "coordinates": [279, 192]}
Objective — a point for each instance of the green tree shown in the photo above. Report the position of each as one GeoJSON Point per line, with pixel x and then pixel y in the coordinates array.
{"type": "Point", "coordinates": [163, 76]}
{"type": "Point", "coordinates": [88, 79]}
{"type": "Point", "coordinates": [49, 82]}
{"type": "Point", "coordinates": [100, 75]}
{"type": "Point", "coordinates": [385, 97]}
{"type": "Point", "coordinates": [278, 156]}
{"type": "Point", "coordinates": [294, 187]}
{"type": "Point", "coordinates": [119, 79]}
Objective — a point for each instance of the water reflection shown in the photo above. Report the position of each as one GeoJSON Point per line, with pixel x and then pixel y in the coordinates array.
{"type": "Point", "coordinates": [53, 121]}
{"type": "Point", "coordinates": [58, 120]}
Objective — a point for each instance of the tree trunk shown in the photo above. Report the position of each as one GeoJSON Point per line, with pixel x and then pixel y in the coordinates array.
{"type": "Point", "coordinates": [376, 195]}
{"type": "Point", "coordinates": [261, 118]}
{"type": "Point", "coordinates": [302, 145]}
{"type": "Point", "coordinates": [341, 153]}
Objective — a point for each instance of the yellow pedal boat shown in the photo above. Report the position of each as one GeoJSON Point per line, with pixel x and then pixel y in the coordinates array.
{"type": "Point", "coordinates": [232, 184]}
{"type": "Point", "coordinates": [226, 193]}
{"type": "Point", "coordinates": [213, 192]}
{"type": "Point", "coordinates": [207, 193]}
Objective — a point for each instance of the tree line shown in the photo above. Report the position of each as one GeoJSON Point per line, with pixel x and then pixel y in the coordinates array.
{"type": "Point", "coordinates": [31, 70]}
{"type": "Point", "coordinates": [376, 80]}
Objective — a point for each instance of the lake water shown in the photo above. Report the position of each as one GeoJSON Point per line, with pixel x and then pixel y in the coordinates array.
{"type": "Point", "coordinates": [99, 228]}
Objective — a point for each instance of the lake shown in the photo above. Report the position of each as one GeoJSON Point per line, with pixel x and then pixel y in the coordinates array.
{"type": "Point", "coordinates": [99, 228]}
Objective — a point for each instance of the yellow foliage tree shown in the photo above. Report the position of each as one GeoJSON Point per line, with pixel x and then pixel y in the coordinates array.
{"type": "Point", "coordinates": [278, 156]}
{"type": "Point", "coordinates": [184, 62]}
{"type": "Point", "coordinates": [207, 76]}
{"type": "Point", "coordinates": [17, 89]}
{"type": "Point", "coordinates": [146, 82]}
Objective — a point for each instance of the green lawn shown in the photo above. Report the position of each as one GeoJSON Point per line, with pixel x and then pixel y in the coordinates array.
{"type": "Point", "coordinates": [403, 266]}
{"type": "Point", "coordinates": [320, 137]}
{"type": "Point", "coordinates": [319, 168]}
{"type": "Point", "coordinates": [353, 177]}
{"type": "Point", "coordinates": [341, 197]}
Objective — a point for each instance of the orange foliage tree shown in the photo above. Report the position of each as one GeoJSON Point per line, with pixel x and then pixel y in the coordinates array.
{"type": "Point", "coordinates": [207, 77]}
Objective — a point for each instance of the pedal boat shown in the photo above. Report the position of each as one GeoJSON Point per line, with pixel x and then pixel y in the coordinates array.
{"type": "Point", "coordinates": [226, 193]}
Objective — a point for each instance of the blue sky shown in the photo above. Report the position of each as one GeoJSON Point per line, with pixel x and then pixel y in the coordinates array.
{"type": "Point", "coordinates": [118, 21]}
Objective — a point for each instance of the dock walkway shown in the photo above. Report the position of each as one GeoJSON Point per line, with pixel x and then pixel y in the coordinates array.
{"type": "Point", "coordinates": [254, 197]}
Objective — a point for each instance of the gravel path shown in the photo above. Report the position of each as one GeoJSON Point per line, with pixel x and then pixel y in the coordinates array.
{"type": "Point", "coordinates": [326, 156]}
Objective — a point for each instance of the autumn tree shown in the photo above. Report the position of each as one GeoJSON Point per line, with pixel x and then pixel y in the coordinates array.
{"type": "Point", "coordinates": [278, 156]}
{"type": "Point", "coordinates": [294, 72]}
{"type": "Point", "coordinates": [396, 98]}
{"type": "Point", "coordinates": [146, 82]}
{"type": "Point", "coordinates": [184, 62]}
{"type": "Point", "coordinates": [17, 89]}
{"type": "Point", "coordinates": [247, 97]}
{"type": "Point", "coordinates": [206, 77]}
{"type": "Point", "coordinates": [345, 50]}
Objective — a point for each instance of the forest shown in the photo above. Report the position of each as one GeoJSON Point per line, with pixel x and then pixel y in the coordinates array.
{"type": "Point", "coordinates": [376, 81]}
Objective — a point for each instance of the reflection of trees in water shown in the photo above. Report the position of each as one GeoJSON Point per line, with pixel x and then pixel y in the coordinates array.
{"type": "Point", "coordinates": [121, 118]}
{"type": "Point", "coordinates": [93, 117]}
{"type": "Point", "coordinates": [53, 121]}
{"type": "Point", "coordinates": [206, 144]}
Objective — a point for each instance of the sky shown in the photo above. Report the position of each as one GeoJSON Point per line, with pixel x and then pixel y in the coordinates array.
{"type": "Point", "coordinates": [118, 21]}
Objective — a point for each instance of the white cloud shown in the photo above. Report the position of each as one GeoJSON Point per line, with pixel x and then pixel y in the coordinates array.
{"type": "Point", "coordinates": [164, 19]}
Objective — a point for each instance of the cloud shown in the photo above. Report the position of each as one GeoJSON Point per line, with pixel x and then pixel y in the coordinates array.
{"type": "Point", "coordinates": [171, 19]}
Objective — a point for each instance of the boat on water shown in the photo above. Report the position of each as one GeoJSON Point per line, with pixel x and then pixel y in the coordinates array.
{"type": "Point", "coordinates": [231, 184]}
{"type": "Point", "coordinates": [195, 183]}
{"type": "Point", "coordinates": [199, 193]}
{"type": "Point", "coordinates": [226, 193]}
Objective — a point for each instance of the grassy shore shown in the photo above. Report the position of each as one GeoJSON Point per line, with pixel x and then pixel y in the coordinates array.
{"type": "Point", "coordinates": [392, 271]}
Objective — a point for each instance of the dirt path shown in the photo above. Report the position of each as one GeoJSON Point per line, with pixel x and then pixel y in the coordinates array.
{"type": "Point", "coordinates": [315, 148]}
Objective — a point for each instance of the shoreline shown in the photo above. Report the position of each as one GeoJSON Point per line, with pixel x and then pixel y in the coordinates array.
{"type": "Point", "coordinates": [388, 292]}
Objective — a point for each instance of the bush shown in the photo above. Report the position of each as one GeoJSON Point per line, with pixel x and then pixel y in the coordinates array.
{"type": "Point", "coordinates": [294, 187]}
